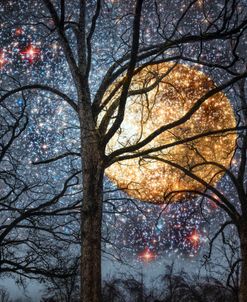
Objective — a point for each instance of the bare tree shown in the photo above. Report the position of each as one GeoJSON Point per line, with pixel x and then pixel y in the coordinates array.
{"type": "Point", "coordinates": [4, 295]}
{"type": "Point", "coordinates": [31, 240]}
{"type": "Point", "coordinates": [232, 202]}
{"type": "Point", "coordinates": [64, 289]}
{"type": "Point", "coordinates": [76, 26]}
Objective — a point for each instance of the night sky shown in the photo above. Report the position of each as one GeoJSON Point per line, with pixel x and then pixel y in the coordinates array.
{"type": "Point", "coordinates": [30, 53]}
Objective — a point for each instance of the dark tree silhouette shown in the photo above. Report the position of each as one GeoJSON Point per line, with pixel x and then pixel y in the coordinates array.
{"type": "Point", "coordinates": [176, 37]}
{"type": "Point", "coordinates": [29, 242]}
{"type": "Point", "coordinates": [234, 202]}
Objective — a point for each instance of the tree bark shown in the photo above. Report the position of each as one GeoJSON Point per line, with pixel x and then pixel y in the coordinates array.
{"type": "Point", "coordinates": [243, 279]}
{"type": "Point", "coordinates": [91, 229]}
{"type": "Point", "coordinates": [91, 210]}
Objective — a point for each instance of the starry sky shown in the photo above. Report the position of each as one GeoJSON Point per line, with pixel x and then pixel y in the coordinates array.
{"type": "Point", "coordinates": [30, 53]}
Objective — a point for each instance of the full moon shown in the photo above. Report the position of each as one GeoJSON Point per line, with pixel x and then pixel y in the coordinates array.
{"type": "Point", "coordinates": [161, 94]}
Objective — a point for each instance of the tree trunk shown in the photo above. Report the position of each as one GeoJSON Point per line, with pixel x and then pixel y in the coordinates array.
{"type": "Point", "coordinates": [91, 211]}
{"type": "Point", "coordinates": [243, 280]}
{"type": "Point", "coordinates": [91, 229]}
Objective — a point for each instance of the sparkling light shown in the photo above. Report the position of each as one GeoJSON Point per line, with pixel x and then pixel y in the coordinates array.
{"type": "Point", "coordinates": [148, 180]}
{"type": "Point", "coordinates": [19, 31]}
{"type": "Point", "coordinates": [3, 61]}
{"type": "Point", "coordinates": [147, 256]}
{"type": "Point", "coordinates": [194, 238]}
{"type": "Point", "coordinates": [30, 53]}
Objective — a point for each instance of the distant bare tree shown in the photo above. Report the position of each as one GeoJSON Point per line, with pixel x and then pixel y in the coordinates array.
{"type": "Point", "coordinates": [63, 289]}
{"type": "Point", "coordinates": [4, 295]}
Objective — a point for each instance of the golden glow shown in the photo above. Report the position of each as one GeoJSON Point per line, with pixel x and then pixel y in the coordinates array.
{"type": "Point", "coordinates": [147, 256]}
{"type": "Point", "coordinates": [150, 180]}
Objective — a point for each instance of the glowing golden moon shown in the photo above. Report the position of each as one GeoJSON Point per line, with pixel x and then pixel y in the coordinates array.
{"type": "Point", "coordinates": [179, 88]}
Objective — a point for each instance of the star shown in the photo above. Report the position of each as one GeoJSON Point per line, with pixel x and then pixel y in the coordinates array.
{"type": "Point", "coordinates": [31, 53]}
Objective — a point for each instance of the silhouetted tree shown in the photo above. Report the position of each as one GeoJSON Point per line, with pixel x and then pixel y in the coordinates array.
{"type": "Point", "coordinates": [100, 108]}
